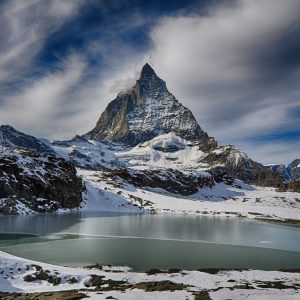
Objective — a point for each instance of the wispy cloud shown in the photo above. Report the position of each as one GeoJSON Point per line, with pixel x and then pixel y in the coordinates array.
{"type": "Point", "coordinates": [68, 98]}
{"type": "Point", "coordinates": [25, 26]}
{"type": "Point", "coordinates": [38, 107]}
{"type": "Point", "coordinates": [272, 152]}
{"type": "Point", "coordinates": [236, 66]}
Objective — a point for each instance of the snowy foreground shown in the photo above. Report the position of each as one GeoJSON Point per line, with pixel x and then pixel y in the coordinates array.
{"type": "Point", "coordinates": [238, 200]}
{"type": "Point", "coordinates": [19, 276]}
{"type": "Point", "coordinates": [121, 283]}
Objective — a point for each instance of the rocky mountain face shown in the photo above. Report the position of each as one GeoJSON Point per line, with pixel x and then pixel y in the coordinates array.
{"type": "Point", "coordinates": [281, 170]}
{"type": "Point", "coordinates": [146, 111]}
{"type": "Point", "coordinates": [145, 138]}
{"type": "Point", "coordinates": [289, 173]}
{"type": "Point", "coordinates": [166, 135]}
{"type": "Point", "coordinates": [236, 164]}
{"type": "Point", "coordinates": [293, 170]}
{"type": "Point", "coordinates": [172, 181]}
{"type": "Point", "coordinates": [30, 181]}
{"type": "Point", "coordinates": [32, 176]}
{"type": "Point", "coordinates": [12, 138]}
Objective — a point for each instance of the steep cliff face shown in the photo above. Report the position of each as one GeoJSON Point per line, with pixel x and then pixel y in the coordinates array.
{"type": "Point", "coordinates": [146, 111]}
{"type": "Point", "coordinates": [165, 134]}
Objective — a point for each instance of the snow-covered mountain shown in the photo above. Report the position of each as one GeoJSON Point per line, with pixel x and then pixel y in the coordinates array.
{"type": "Point", "coordinates": [159, 132]}
{"type": "Point", "coordinates": [289, 173]}
{"type": "Point", "coordinates": [36, 182]}
{"type": "Point", "coordinates": [293, 169]}
{"type": "Point", "coordinates": [12, 138]}
{"type": "Point", "coordinates": [281, 170]}
{"type": "Point", "coordinates": [33, 178]}
{"type": "Point", "coordinates": [144, 141]}
{"type": "Point", "coordinates": [145, 111]}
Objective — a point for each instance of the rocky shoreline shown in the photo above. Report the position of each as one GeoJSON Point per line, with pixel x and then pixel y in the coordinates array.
{"type": "Point", "coordinates": [23, 279]}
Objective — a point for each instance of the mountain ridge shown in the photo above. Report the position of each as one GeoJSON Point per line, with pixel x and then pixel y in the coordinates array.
{"type": "Point", "coordinates": [148, 110]}
{"type": "Point", "coordinates": [10, 137]}
{"type": "Point", "coordinates": [33, 177]}
{"type": "Point", "coordinates": [291, 172]}
{"type": "Point", "coordinates": [145, 138]}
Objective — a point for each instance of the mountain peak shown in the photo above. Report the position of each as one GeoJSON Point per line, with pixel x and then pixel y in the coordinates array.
{"type": "Point", "coordinates": [146, 111]}
{"type": "Point", "coordinates": [147, 71]}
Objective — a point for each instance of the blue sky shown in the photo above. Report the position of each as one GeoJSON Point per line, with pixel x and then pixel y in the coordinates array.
{"type": "Point", "coordinates": [234, 63]}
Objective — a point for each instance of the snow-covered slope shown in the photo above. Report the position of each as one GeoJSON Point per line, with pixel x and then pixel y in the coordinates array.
{"type": "Point", "coordinates": [167, 151]}
{"type": "Point", "coordinates": [114, 193]}
{"type": "Point", "coordinates": [88, 154]}
{"type": "Point", "coordinates": [10, 137]}
{"type": "Point", "coordinates": [164, 151]}
{"type": "Point", "coordinates": [35, 182]}
{"type": "Point", "coordinates": [107, 282]}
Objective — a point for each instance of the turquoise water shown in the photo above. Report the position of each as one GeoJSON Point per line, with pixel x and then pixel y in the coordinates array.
{"type": "Point", "coordinates": [151, 241]}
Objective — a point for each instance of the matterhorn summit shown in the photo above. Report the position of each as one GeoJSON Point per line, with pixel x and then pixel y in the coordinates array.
{"type": "Point", "coordinates": [148, 110]}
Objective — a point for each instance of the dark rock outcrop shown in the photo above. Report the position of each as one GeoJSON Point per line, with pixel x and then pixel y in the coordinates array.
{"type": "Point", "coordinates": [236, 164]}
{"type": "Point", "coordinates": [172, 181]}
{"type": "Point", "coordinates": [292, 186]}
{"type": "Point", "coordinates": [37, 182]}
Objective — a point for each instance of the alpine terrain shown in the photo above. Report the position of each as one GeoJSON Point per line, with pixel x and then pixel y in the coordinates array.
{"type": "Point", "coordinates": [142, 146]}
{"type": "Point", "coordinates": [146, 111]}
{"type": "Point", "coordinates": [146, 153]}
{"type": "Point", "coordinates": [33, 178]}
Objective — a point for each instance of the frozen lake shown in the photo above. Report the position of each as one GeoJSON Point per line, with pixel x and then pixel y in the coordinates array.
{"type": "Point", "coordinates": [151, 241]}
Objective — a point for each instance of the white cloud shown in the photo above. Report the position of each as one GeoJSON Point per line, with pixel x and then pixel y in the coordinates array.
{"type": "Point", "coordinates": [68, 100]}
{"type": "Point", "coordinates": [39, 107]}
{"type": "Point", "coordinates": [207, 60]}
{"type": "Point", "coordinates": [273, 152]}
{"type": "Point", "coordinates": [61, 104]}
{"type": "Point", "coordinates": [230, 67]}
{"type": "Point", "coordinates": [233, 67]}
{"type": "Point", "coordinates": [25, 26]}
